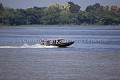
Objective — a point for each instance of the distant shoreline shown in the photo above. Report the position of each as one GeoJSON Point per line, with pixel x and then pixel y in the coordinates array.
{"type": "Point", "coordinates": [69, 14]}
{"type": "Point", "coordinates": [52, 25]}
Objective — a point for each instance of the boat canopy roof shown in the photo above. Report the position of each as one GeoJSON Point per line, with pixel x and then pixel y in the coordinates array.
{"type": "Point", "coordinates": [56, 39]}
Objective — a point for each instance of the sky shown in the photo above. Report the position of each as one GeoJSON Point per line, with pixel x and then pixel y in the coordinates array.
{"type": "Point", "coordinates": [42, 3]}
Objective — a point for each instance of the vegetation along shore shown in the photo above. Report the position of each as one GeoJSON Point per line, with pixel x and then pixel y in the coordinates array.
{"type": "Point", "coordinates": [61, 14]}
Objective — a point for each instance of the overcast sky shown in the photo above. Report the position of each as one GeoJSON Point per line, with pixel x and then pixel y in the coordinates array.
{"type": "Point", "coordinates": [42, 3]}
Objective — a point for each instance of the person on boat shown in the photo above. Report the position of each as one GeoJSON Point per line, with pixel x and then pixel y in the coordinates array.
{"type": "Point", "coordinates": [48, 42]}
{"type": "Point", "coordinates": [59, 41]}
{"type": "Point", "coordinates": [54, 42]}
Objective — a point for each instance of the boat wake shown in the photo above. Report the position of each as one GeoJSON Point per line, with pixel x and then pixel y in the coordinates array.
{"type": "Point", "coordinates": [29, 46]}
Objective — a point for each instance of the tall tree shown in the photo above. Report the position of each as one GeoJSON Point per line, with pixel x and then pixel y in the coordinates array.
{"type": "Point", "coordinates": [1, 11]}
{"type": "Point", "coordinates": [1, 7]}
{"type": "Point", "coordinates": [74, 8]}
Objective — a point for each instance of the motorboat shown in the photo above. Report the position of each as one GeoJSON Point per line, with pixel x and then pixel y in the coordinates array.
{"type": "Point", "coordinates": [59, 42]}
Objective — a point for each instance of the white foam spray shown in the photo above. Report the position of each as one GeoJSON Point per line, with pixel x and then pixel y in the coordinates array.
{"type": "Point", "coordinates": [29, 46]}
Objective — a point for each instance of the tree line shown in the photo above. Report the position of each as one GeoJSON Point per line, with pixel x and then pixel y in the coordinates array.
{"type": "Point", "coordinates": [57, 14]}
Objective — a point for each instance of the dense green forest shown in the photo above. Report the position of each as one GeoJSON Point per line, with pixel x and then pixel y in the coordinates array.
{"type": "Point", "coordinates": [61, 14]}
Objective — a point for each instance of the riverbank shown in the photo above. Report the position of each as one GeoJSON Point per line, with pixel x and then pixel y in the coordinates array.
{"type": "Point", "coordinates": [37, 25]}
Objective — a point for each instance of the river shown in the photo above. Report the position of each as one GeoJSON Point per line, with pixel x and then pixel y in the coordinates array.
{"type": "Point", "coordinates": [95, 55]}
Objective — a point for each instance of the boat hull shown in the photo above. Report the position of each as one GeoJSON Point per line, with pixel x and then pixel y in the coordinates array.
{"type": "Point", "coordinates": [62, 44]}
